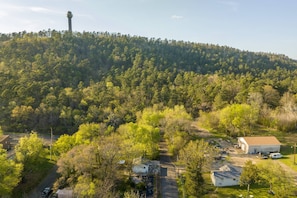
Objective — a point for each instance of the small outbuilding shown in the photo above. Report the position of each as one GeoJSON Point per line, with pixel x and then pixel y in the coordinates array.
{"type": "Point", "coordinates": [259, 144]}
{"type": "Point", "coordinates": [65, 193]}
{"type": "Point", "coordinates": [227, 175]}
{"type": "Point", "coordinates": [5, 141]}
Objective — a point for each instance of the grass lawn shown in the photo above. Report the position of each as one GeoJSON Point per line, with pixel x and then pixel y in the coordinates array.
{"type": "Point", "coordinates": [237, 191]}
{"type": "Point", "coordinates": [289, 161]}
{"type": "Point", "coordinates": [287, 149]}
{"type": "Point", "coordinates": [234, 191]}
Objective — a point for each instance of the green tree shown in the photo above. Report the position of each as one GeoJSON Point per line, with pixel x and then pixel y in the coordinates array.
{"type": "Point", "coordinates": [238, 118]}
{"type": "Point", "coordinates": [89, 131]}
{"type": "Point", "coordinates": [23, 117]}
{"type": "Point", "coordinates": [150, 116]}
{"type": "Point", "coordinates": [209, 120]}
{"type": "Point", "coordinates": [131, 194]}
{"type": "Point", "coordinates": [85, 187]}
{"type": "Point", "coordinates": [249, 175]}
{"type": "Point", "coordinates": [10, 173]}
{"type": "Point", "coordinates": [176, 125]}
{"type": "Point", "coordinates": [51, 79]}
{"type": "Point", "coordinates": [255, 99]}
{"type": "Point", "coordinates": [92, 170]}
{"type": "Point", "coordinates": [197, 156]}
{"type": "Point", "coordinates": [30, 151]}
{"type": "Point", "coordinates": [64, 144]}
{"type": "Point", "coordinates": [286, 114]}
{"type": "Point", "coordinates": [140, 139]}
{"type": "Point", "coordinates": [271, 96]}
{"type": "Point", "coordinates": [279, 181]}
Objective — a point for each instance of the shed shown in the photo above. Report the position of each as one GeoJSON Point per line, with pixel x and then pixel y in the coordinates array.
{"type": "Point", "coordinates": [259, 144]}
{"type": "Point", "coordinates": [227, 175]}
{"type": "Point", "coordinates": [65, 193]}
{"type": "Point", "coordinates": [5, 141]}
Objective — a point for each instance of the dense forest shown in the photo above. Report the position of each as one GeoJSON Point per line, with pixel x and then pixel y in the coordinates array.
{"type": "Point", "coordinates": [60, 80]}
{"type": "Point", "coordinates": [113, 97]}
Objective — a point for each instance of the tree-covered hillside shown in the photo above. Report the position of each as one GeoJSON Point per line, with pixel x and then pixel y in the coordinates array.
{"type": "Point", "coordinates": [60, 80]}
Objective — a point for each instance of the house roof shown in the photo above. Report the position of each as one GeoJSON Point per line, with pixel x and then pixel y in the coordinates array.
{"type": "Point", "coordinates": [66, 193]}
{"type": "Point", "coordinates": [261, 140]}
{"type": "Point", "coordinates": [140, 169]}
{"type": "Point", "coordinates": [3, 137]}
{"type": "Point", "coordinates": [227, 171]}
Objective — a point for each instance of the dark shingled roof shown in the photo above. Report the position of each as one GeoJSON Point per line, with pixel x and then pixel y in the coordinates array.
{"type": "Point", "coordinates": [227, 171]}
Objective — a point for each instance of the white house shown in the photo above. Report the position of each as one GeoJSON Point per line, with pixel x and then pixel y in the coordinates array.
{"type": "Point", "coordinates": [227, 175]}
{"type": "Point", "coordinates": [142, 166]}
{"type": "Point", "coordinates": [260, 144]}
{"type": "Point", "coordinates": [140, 169]}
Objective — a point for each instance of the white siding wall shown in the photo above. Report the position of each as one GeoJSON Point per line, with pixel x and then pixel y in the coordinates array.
{"type": "Point", "coordinates": [257, 148]}
{"type": "Point", "coordinates": [243, 145]}
{"type": "Point", "coordinates": [224, 182]}
{"type": "Point", "coordinates": [263, 149]}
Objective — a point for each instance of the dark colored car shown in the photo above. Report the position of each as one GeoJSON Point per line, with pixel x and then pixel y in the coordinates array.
{"type": "Point", "coordinates": [46, 192]}
{"type": "Point", "coordinates": [263, 156]}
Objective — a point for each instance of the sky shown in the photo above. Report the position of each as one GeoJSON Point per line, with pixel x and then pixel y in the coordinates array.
{"type": "Point", "coordinates": [251, 25]}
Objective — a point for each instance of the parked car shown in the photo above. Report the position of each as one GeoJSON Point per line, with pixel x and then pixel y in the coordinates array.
{"type": "Point", "coordinates": [275, 155]}
{"type": "Point", "coordinates": [46, 192]}
{"type": "Point", "coordinates": [263, 156]}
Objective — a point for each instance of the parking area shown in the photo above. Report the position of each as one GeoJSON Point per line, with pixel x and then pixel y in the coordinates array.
{"type": "Point", "coordinates": [230, 153]}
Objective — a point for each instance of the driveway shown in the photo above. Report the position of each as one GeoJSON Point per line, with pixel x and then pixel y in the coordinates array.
{"type": "Point", "coordinates": [168, 185]}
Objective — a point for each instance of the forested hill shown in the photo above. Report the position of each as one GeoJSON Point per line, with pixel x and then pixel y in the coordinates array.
{"type": "Point", "coordinates": [61, 80]}
{"type": "Point", "coordinates": [101, 51]}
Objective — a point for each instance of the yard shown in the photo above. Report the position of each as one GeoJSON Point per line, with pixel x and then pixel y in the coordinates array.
{"type": "Point", "coordinates": [288, 163]}
{"type": "Point", "coordinates": [237, 191]}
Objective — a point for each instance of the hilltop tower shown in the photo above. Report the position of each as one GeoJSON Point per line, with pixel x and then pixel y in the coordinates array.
{"type": "Point", "coordinates": [69, 16]}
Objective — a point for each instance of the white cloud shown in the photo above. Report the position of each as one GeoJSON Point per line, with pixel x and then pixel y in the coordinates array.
{"type": "Point", "coordinates": [12, 8]}
{"type": "Point", "coordinates": [40, 9]}
{"type": "Point", "coordinates": [177, 17]}
{"type": "Point", "coordinates": [45, 10]}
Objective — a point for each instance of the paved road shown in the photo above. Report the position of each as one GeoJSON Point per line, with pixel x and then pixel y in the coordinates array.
{"type": "Point", "coordinates": [168, 183]}
{"type": "Point", "coordinates": [47, 181]}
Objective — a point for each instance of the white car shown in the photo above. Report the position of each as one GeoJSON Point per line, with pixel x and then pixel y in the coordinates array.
{"type": "Point", "coordinates": [275, 155]}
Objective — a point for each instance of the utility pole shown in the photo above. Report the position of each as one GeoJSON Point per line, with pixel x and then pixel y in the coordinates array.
{"type": "Point", "coordinates": [51, 143]}
{"type": "Point", "coordinates": [294, 152]}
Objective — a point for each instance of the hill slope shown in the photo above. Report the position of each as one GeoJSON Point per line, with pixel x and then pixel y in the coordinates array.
{"type": "Point", "coordinates": [55, 79]}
